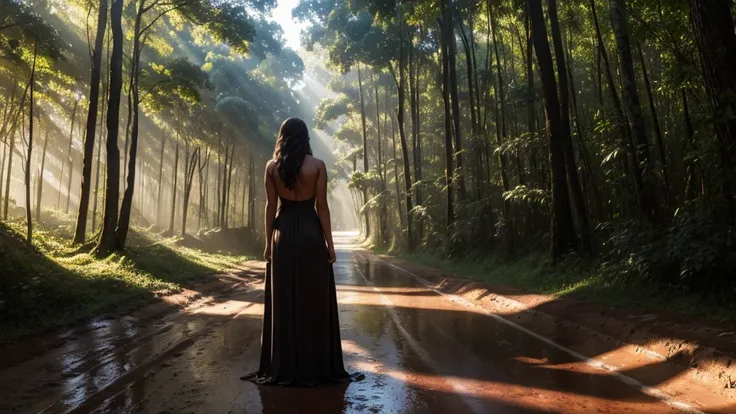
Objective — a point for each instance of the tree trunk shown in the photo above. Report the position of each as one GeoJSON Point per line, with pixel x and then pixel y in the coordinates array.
{"type": "Point", "coordinates": [452, 56]}
{"type": "Point", "coordinates": [97, 185]}
{"type": "Point", "coordinates": [159, 202]}
{"type": "Point", "coordinates": [396, 174]}
{"type": "Point", "coordinates": [244, 201]}
{"type": "Point", "coordinates": [29, 153]}
{"type": "Point", "coordinates": [414, 109]}
{"type": "Point", "coordinates": [692, 184]}
{"type": "Point", "coordinates": [714, 34]}
{"type": "Point", "coordinates": [68, 155]}
{"type": "Point", "coordinates": [627, 142]}
{"type": "Point", "coordinates": [469, 63]}
{"type": "Point", "coordinates": [89, 142]}
{"type": "Point", "coordinates": [223, 188]}
{"type": "Point", "coordinates": [112, 191]}
{"type": "Point", "coordinates": [218, 187]}
{"type": "Point", "coordinates": [470, 71]}
{"type": "Point", "coordinates": [576, 191]}
{"type": "Point", "coordinates": [106, 94]}
{"type": "Point", "coordinates": [226, 211]}
{"type": "Point", "coordinates": [174, 179]}
{"type": "Point", "coordinates": [251, 191]}
{"type": "Point", "coordinates": [563, 233]}
{"type": "Point", "coordinates": [655, 121]}
{"type": "Point", "coordinates": [501, 137]}
{"type": "Point", "coordinates": [7, 109]}
{"type": "Point", "coordinates": [530, 99]}
{"type": "Point", "coordinates": [2, 175]}
{"type": "Point", "coordinates": [402, 134]}
{"type": "Point", "coordinates": [125, 209]}
{"type": "Point", "coordinates": [633, 104]}
{"type": "Point", "coordinates": [365, 150]}
{"type": "Point", "coordinates": [18, 115]}
{"type": "Point", "coordinates": [383, 216]}
{"type": "Point", "coordinates": [191, 164]}
{"type": "Point", "coordinates": [203, 176]}
{"type": "Point", "coordinates": [449, 172]}
{"type": "Point", "coordinates": [70, 177]}
{"type": "Point", "coordinates": [8, 174]}
{"type": "Point", "coordinates": [39, 186]}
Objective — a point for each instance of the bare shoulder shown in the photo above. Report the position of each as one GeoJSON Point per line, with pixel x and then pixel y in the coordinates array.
{"type": "Point", "coordinates": [270, 165]}
{"type": "Point", "coordinates": [314, 161]}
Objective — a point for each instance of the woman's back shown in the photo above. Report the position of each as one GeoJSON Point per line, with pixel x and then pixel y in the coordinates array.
{"type": "Point", "coordinates": [306, 186]}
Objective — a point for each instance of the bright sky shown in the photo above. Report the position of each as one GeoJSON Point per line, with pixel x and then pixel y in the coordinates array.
{"type": "Point", "coordinates": [292, 28]}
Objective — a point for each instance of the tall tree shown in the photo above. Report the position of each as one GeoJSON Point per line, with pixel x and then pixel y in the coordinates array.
{"type": "Point", "coordinates": [29, 151]}
{"type": "Point", "coordinates": [563, 233]}
{"type": "Point", "coordinates": [445, 57]}
{"type": "Point", "coordinates": [89, 142]}
{"type": "Point", "coordinates": [365, 149]}
{"type": "Point", "coordinates": [630, 93]}
{"type": "Point", "coordinates": [716, 40]}
{"type": "Point", "coordinates": [40, 179]}
{"type": "Point", "coordinates": [449, 26]}
{"type": "Point", "coordinates": [401, 89]}
{"type": "Point", "coordinates": [68, 158]}
{"type": "Point", "coordinates": [576, 191]}
{"type": "Point", "coordinates": [106, 243]}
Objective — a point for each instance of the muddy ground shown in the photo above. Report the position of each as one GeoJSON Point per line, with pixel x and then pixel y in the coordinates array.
{"type": "Point", "coordinates": [422, 350]}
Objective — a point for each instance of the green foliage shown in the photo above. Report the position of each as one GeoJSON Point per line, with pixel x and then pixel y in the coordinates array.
{"type": "Point", "coordinates": [175, 85]}
{"type": "Point", "coordinates": [21, 26]}
{"type": "Point", "coordinates": [50, 284]}
{"type": "Point", "coordinates": [361, 181]}
{"type": "Point", "coordinates": [690, 253]}
{"type": "Point", "coordinates": [469, 229]}
{"type": "Point", "coordinates": [582, 280]}
{"type": "Point", "coordinates": [533, 197]}
{"type": "Point", "coordinates": [329, 110]}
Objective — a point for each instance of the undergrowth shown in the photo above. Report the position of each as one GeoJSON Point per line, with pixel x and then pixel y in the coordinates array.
{"type": "Point", "coordinates": [584, 280]}
{"type": "Point", "coordinates": [52, 283]}
{"type": "Point", "coordinates": [686, 266]}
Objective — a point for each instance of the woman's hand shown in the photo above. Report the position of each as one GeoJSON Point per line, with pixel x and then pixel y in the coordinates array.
{"type": "Point", "coordinates": [267, 254]}
{"type": "Point", "coordinates": [331, 254]}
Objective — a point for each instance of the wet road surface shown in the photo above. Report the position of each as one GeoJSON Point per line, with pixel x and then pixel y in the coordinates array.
{"type": "Point", "coordinates": [421, 352]}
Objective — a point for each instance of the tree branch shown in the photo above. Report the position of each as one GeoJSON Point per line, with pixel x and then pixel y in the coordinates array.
{"type": "Point", "coordinates": [162, 14]}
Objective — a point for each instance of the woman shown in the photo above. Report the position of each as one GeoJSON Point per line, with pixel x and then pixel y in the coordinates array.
{"type": "Point", "coordinates": [300, 343]}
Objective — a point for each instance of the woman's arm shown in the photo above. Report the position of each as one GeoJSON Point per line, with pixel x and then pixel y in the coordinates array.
{"type": "Point", "coordinates": [271, 204]}
{"type": "Point", "coordinates": [323, 210]}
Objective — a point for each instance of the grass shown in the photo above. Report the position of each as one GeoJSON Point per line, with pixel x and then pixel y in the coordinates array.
{"type": "Point", "coordinates": [580, 280]}
{"type": "Point", "coordinates": [52, 284]}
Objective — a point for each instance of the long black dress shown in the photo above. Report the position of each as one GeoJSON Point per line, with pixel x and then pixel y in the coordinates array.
{"type": "Point", "coordinates": [300, 342]}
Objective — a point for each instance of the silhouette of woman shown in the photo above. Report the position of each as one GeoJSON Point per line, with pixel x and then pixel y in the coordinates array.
{"type": "Point", "coordinates": [300, 343]}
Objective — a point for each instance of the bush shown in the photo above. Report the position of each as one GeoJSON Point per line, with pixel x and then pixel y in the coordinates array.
{"type": "Point", "coordinates": [693, 252]}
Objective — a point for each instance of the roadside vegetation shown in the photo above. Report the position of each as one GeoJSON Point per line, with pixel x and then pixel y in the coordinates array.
{"type": "Point", "coordinates": [581, 279]}
{"type": "Point", "coordinates": [50, 283]}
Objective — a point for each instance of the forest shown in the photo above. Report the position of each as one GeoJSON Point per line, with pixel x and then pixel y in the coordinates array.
{"type": "Point", "coordinates": [131, 124]}
{"type": "Point", "coordinates": [595, 131]}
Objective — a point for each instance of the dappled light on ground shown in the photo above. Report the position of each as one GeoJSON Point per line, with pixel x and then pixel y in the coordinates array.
{"type": "Point", "coordinates": [420, 352]}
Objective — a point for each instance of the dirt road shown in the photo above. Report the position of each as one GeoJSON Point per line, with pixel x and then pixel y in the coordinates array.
{"type": "Point", "coordinates": [421, 352]}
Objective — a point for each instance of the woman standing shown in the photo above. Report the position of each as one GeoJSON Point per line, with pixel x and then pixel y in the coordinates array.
{"type": "Point", "coordinates": [300, 343]}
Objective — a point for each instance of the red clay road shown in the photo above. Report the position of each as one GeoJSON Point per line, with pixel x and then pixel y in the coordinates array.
{"type": "Point", "coordinates": [421, 352]}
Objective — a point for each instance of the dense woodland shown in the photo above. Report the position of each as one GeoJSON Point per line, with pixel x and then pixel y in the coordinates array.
{"type": "Point", "coordinates": [154, 112]}
{"type": "Point", "coordinates": [592, 128]}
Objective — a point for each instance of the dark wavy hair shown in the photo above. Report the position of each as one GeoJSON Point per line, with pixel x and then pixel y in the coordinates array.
{"type": "Point", "coordinates": [292, 145]}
